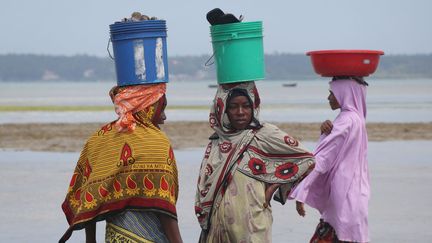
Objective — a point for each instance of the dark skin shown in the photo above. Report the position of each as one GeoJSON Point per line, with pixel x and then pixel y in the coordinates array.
{"type": "Point", "coordinates": [162, 117]}
{"type": "Point", "coordinates": [327, 125]}
{"type": "Point", "coordinates": [334, 104]}
{"type": "Point", "coordinates": [169, 224]}
{"type": "Point", "coordinates": [326, 128]}
{"type": "Point", "coordinates": [239, 111]}
{"type": "Point", "coordinates": [170, 227]}
{"type": "Point", "coordinates": [90, 232]}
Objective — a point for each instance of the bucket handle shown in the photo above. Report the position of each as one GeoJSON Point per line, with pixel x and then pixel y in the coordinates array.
{"type": "Point", "coordinates": [109, 52]}
{"type": "Point", "coordinates": [207, 63]}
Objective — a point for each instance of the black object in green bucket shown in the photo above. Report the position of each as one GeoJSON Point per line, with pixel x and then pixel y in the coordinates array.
{"type": "Point", "coordinates": [238, 51]}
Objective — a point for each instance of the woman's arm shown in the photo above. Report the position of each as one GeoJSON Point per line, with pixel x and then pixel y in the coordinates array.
{"type": "Point", "coordinates": [269, 191]}
{"type": "Point", "coordinates": [90, 231]}
{"type": "Point", "coordinates": [170, 227]}
{"type": "Point", "coordinates": [300, 208]}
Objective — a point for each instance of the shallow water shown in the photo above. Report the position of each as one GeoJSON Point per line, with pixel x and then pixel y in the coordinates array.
{"type": "Point", "coordinates": [34, 185]}
{"type": "Point", "coordinates": [388, 101]}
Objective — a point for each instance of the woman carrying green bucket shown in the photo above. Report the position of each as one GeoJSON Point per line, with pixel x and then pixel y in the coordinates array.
{"type": "Point", "coordinates": [245, 162]}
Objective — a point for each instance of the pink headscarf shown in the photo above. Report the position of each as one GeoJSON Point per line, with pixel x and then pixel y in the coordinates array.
{"type": "Point", "coordinates": [132, 99]}
{"type": "Point", "coordinates": [350, 95]}
{"type": "Point", "coordinates": [339, 185]}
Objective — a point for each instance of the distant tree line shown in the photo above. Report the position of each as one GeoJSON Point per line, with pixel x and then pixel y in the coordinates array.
{"type": "Point", "coordinates": [29, 67]}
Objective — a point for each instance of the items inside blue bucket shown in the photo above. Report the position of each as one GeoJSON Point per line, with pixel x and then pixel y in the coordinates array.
{"type": "Point", "coordinates": [140, 52]}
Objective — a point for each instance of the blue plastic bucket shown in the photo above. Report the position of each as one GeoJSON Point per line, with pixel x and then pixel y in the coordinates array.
{"type": "Point", "coordinates": [140, 52]}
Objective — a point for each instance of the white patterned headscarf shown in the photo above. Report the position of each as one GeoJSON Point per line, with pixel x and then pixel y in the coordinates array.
{"type": "Point", "coordinates": [219, 120]}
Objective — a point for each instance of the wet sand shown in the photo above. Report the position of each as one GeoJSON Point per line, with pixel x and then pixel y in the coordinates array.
{"type": "Point", "coordinates": [34, 185]}
{"type": "Point", "coordinates": [71, 137]}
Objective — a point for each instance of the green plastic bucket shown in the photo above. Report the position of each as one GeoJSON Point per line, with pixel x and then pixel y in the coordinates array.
{"type": "Point", "coordinates": [238, 51]}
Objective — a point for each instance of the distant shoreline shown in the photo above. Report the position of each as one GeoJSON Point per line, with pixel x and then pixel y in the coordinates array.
{"type": "Point", "coordinates": [65, 108]}
{"type": "Point", "coordinates": [279, 66]}
{"type": "Point", "coordinates": [58, 137]}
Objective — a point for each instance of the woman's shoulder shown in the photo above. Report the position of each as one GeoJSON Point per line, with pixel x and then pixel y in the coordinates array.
{"type": "Point", "coordinates": [269, 130]}
{"type": "Point", "coordinates": [265, 126]}
{"type": "Point", "coordinates": [348, 119]}
{"type": "Point", "coordinates": [110, 132]}
{"type": "Point", "coordinates": [347, 123]}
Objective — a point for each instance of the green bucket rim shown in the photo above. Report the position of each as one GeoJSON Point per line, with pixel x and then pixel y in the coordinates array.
{"type": "Point", "coordinates": [240, 81]}
{"type": "Point", "coordinates": [241, 26]}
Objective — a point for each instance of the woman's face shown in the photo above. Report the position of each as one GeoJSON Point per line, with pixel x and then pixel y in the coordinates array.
{"type": "Point", "coordinates": [334, 104]}
{"type": "Point", "coordinates": [159, 116]}
{"type": "Point", "coordinates": [162, 116]}
{"type": "Point", "coordinates": [239, 112]}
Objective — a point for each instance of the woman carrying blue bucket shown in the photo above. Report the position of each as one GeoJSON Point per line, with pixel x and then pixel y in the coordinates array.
{"type": "Point", "coordinates": [245, 162]}
{"type": "Point", "coordinates": [127, 173]}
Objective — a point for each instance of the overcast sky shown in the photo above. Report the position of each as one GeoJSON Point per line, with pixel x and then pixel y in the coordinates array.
{"type": "Point", "coordinates": [58, 27]}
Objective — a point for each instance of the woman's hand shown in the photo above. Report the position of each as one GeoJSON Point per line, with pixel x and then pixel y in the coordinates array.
{"type": "Point", "coordinates": [300, 208]}
{"type": "Point", "coordinates": [326, 127]}
{"type": "Point", "coordinates": [270, 189]}
{"type": "Point", "coordinates": [170, 227]}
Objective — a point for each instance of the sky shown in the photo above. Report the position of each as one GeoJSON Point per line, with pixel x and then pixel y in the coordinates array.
{"type": "Point", "coordinates": [56, 27]}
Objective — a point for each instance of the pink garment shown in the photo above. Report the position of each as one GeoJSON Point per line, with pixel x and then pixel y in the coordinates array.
{"type": "Point", "coordinates": [339, 185]}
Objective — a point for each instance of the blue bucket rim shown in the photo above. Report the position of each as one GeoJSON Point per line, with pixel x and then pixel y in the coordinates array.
{"type": "Point", "coordinates": [158, 81]}
{"type": "Point", "coordinates": [141, 26]}
{"type": "Point", "coordinates": [138, 23]}
{"type": "Point", "coordinates": [137, 31]}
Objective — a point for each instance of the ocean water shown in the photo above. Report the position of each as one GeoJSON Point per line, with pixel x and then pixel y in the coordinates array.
{"type": "Point", "coordinates": [34, 185]}
{"type": "Point", "coordinates": [388, 101]}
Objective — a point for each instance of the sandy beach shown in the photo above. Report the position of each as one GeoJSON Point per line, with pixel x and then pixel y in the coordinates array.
{"type": "Point", "coordinates": [38, 158]}
{"type": "Point", "coordinates": [71, 137]}
{"type": "Point", "coordinates": [34, 185]}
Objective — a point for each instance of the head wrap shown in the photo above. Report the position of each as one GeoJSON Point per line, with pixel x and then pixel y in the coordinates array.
{"type": "Point", "coordinates": [218, 118]}
{"type": "Point", "coordinates": [129, 100]}
{"type": "Point", "coordinates": [350, 95]}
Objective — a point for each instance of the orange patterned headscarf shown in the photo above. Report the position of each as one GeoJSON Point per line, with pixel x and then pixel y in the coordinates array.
{"type": "Point", "coordinates": [132, 99]}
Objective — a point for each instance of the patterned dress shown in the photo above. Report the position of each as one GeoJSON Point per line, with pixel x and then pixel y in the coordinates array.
{"type": "Point", "coordinates": [242, 215]}
{"type": "Point", "coordinates": [237, 166]}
